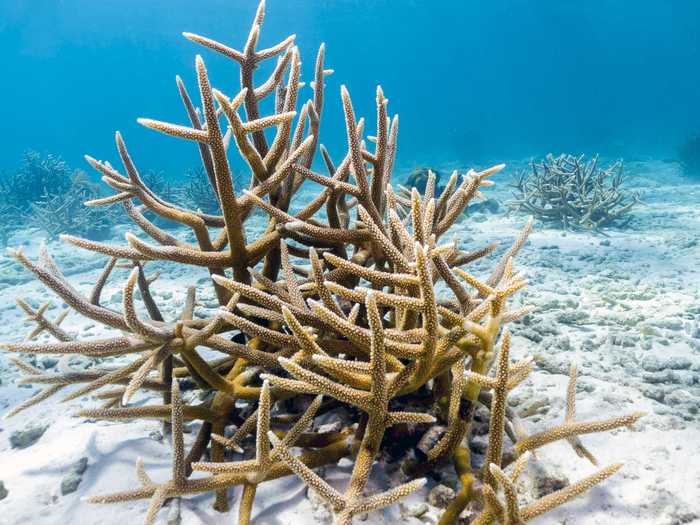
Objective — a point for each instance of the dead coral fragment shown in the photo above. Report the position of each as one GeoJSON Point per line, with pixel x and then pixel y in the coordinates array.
{"type": "Point", "coordinates": [574, 193]}
{"type": "Point", "coordinates": [336, 297]}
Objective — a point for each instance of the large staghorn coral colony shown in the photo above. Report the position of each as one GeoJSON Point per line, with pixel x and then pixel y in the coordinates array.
{"type": "Point", "coordinates": [320, 315]}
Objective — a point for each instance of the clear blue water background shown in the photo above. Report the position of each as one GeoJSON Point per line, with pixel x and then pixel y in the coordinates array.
{"type": "Point", "coordinates": [471, 80]}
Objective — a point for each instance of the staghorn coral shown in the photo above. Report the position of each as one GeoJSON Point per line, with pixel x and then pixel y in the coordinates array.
{"type": "Point", "coordinates": [45, 193]}
{"type": "Point", "coordinates": [361, 308]}
{"type": "Point", "coordinates": [574, 193]}
{"type": "Point", "coordinates": [28, 184]}
{"type": "Point", "coordinates": [65, 212]}
{"type": "Point", "coordinates": [159, 184]}
{"type": "Point", "coordinates": [199, 193]}
{"type": "Point", "coordinates": [37, 175]}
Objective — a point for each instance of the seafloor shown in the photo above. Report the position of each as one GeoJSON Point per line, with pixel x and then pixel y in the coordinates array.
{"type": "Point", "coordinates": [624, 306]}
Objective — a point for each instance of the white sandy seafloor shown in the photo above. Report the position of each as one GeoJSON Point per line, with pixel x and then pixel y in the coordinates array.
{"type": "Point", "coordinates": [625, 307]}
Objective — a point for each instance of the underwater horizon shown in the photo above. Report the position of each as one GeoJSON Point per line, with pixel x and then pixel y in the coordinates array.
{"type": "Point", "coordinates": [350, 262]}
{"type": "Point", "coordinates": [472, 81]}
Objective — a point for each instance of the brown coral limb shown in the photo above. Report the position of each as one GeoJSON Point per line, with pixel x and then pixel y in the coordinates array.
{"type": "Point", "coordinates": [511, 513]}
{"type": "Point", "coordinates": [498, 410]}
{"type": "Point", "coordinates": [375, 403]}
{"type": "Point", "coordinates": [102, 280]}
{"type": "Point", "coordinates": [249, 60]}
{"type": "Point", "coordinates": [39, 396]}
{"type": "Point", "coordinates": [555, 499]}
{"type": "Point", "coordinates": [42, 323]}
{"type": "Point", "coordinates": [460, 199]}
{"type": "Point", "coordinates": [224, 184]}
{"type": "Point", "coordinates": [257, 470]}
{"type": "Point", "coordinates": [178, 485]}
{"type": "Point", "coordinates": [457, 425]}
{"type": "Point", "coordinates": [570, 416]}
{"type": "Point", "coordinates": [571, 430]}
{"type": "Point", "coordinates": [345, 509]}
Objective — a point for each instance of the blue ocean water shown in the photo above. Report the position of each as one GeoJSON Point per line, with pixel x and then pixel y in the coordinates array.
{"type": "Point", "coordinates": [471, 80]}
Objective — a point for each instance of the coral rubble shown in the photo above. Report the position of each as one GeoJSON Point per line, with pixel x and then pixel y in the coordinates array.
{"type": "Point", "coordinates": [352, 304]}
{"type": "Point", "coordinates": [574, 193]}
